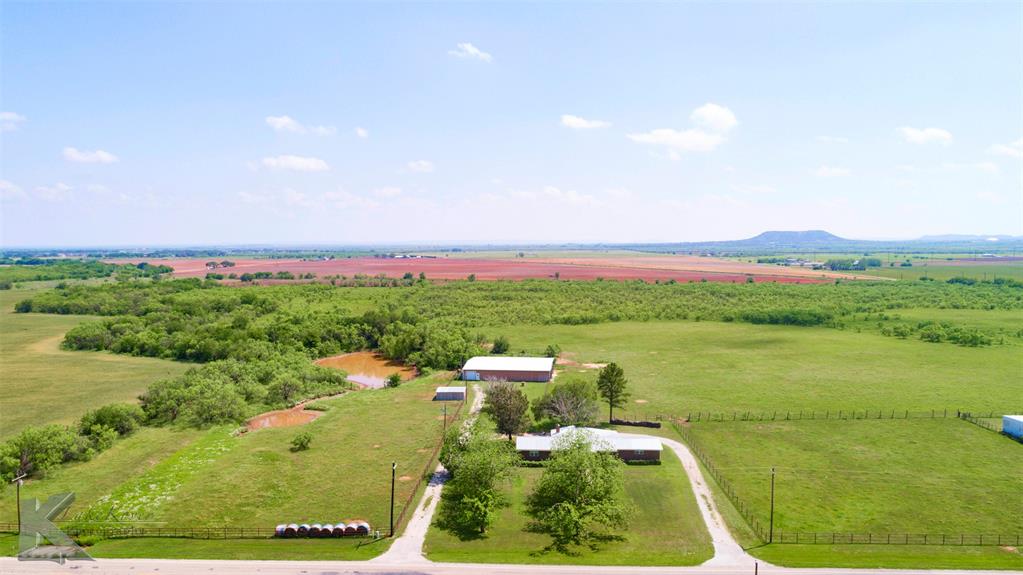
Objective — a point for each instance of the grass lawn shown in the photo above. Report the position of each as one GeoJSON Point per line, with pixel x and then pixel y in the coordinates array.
{"type": "Point", "coordinates": [916, 476]}
{"type": "Point", "coordinates": [665, 530]}
{"type": "Point", "coordinates": [277, 549]}
{"type": "Point", "coordinates": [345, 475]}
{"type": "Point", "coordinates": [677, 367]}
{"type": "Point", "coordinates": [891, 556]}
{"type": "Point", "coordinates": [941, 271]}
{"type": "Point", "coordinates": [42, 383]}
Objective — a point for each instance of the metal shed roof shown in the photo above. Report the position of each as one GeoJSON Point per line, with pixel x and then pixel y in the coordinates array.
{"type": "Point", "coordinates": [453, 389]}
{"type": "Point", "coordinates": [600, 438]}
{"type": "Point", "coordinates": [500, 363]}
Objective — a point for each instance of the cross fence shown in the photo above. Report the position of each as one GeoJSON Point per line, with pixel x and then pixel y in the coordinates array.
{"type": "Point", "coordinates": [808, 414]}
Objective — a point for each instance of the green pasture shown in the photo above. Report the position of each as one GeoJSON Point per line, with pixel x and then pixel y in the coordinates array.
{"type": "Point", "coordinates": [935, 476]}
{"type": "Point", "coordinates": [937, 271]}
{"type": "Point", "coordinates": [42, 383]}
{"type": "Point", "coordinates": [685, 366]}
{"type": "Point", "coordinates": [345, 475]}
{"type": "Point", "coordinates": [666, 528]}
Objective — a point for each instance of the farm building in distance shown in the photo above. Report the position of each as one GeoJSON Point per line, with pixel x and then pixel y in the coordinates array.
{"type": "Point", "coordinates": [629, 448]}
{"type": "Point", "coordinates": [1012, 425]}
{"type": "Point", "coordinates": [451, 393]}
{"type": "Point", "coordinates": [497, 368]}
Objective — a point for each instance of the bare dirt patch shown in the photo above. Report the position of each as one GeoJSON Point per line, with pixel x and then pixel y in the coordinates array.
{"type": "Point", "coordinates": [404, 478]}
{"type": "Point", "coordinates": [642, 401]}
{"type": "Point", "coordinates": [647, 268]}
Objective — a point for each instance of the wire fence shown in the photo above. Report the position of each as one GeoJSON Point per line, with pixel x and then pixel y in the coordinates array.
{"type": "Point", "coordinates": [744, 509]}
{"type": "Point", "coordinates": [897, 539]}
{"type": "Point", "coordinates": [431, 464]}
{"type": "Point", "coordinates": [807, 414]}
{"type": "Point", "coordinates": [759, 520]}
{"type": "Point", "coordinates": [123, 531]}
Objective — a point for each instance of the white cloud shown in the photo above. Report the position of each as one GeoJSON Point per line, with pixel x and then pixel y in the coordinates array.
{"type": "Point", "coordinates": [9, 121]}
{"type": "Point", "coordinates": [10, 191]}
{"type": "Point", "coordinates": [56, 193]}
{"type": "Point", "coordinates": [387, 192]}
{"type": "Point", "coordinates": [468, 51]}
{"type": "Point", "coordinates": [344, 200]}
{"type": "Point", "coordinates": [990, 197]}
{"type": "Point", "coordinates": [714, 117]}
{"type": "Point", "coordinates": [754, 189]}
{"type": "Point", "coordinates": [422, 166]}
{"type": "Point", "coordinates": [251, 198]}
{"type": "Point", "coordinates": [289, 124]}
{"type": "Point", "coordinates": [713, 121]}
{"type": "Point", "coordinates": [577, 123]}
{"type": "Point", "coordinates": [87, 157]}
{"type": "Point", "coordinates": [294, 198]}
{"type": "Point", "coordinates": [619, 193]}
{"type": "Point", "coordinates": [925, 135]}
{"type": "Point", "coordinates": [362, 133]}
{"type": "Point", "coordinates": [296, 163]}
{"type": "Point", "coordinates": [832, 139]}
{"type": "Point", "coordinates": [986, 167]}
{"type": "Point", "coordinates": [831, 172]}
{"type": "Point", "coordinates": [685, 140]}
{"type": "Point", "coordinates": [1013, 150]}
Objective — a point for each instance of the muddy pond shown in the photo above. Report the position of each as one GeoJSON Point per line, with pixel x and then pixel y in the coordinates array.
{"type": "Point", "coordinates": [366, 368]}
{"type": "Point", "coordinates": [283, 418]}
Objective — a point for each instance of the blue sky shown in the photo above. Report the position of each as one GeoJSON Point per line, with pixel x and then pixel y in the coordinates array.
{"type": "Point", "coordinates": [147, 123]}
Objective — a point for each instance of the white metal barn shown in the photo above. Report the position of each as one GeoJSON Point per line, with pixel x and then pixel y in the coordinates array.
{"type": "Point", "coordinates": [450, 394]}
{"type": "Point", "coordinates": [505, 368]}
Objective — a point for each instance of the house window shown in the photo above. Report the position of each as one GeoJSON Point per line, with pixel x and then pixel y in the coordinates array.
{"type": "Point", "coordinates": [534, 454]}
{"type": "Point", "coordinates": [638, 452]}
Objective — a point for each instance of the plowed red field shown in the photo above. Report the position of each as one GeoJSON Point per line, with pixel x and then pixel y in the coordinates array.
{"type": "Point", "coordinates": [678, 268]}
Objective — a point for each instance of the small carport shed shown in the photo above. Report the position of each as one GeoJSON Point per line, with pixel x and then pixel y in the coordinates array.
{"type": "Point", "coordinates": [497, 368]}
{"type": "Point", "coordinates": [450, 394]}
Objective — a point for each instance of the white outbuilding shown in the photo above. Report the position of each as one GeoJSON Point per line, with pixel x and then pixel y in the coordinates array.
{"type": "Point", "coordinates": [451, 393]}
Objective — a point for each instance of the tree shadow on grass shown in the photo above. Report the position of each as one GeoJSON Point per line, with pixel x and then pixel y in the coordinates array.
{"type": "Point", "coordinates": [449, 518]}
{"type": "Point", "coordinates": [591, 541]}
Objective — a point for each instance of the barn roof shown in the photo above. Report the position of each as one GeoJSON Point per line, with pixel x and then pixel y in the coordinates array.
{"type": "Point", "coordinates": [501, 363]}
{"type": "Point", "coordinates": [600, 440]}
{"type": "Point", "coordinates": [452, 389]}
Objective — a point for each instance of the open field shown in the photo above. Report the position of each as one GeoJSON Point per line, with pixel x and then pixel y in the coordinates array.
{"type": "Point", "coordinates": [344, 475]}
{"type": "Point", "coordinates": [978, 270]}
{"type": "Point", "coordinates": [678, 367]}
{"type": "Point", "coordinates": [44, 384]}
{"type": "Point", "coordinates": [649, 268]}
{"type": "Point", "coordinates": [870, 476]}
{"type": "Point", "coordinates": [92, 480]}
{"type": "Point", "coordinates": [665, 530]}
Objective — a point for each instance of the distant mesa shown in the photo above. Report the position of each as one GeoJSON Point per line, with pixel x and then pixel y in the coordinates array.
{"type": "Point", "coordinates": [790, 238]}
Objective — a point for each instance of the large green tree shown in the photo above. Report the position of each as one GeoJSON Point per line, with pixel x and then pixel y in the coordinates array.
{"type": "Point", "coordinates": [612, 385]}
{"type": "Point", "coordinates": [478, 464]}
{"type": "Point", "coordinates": [569, 402]}
{"type": "Point", "coordinates": [508, 406]}
{"type": "Point", "coordinates": [580, 490]}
